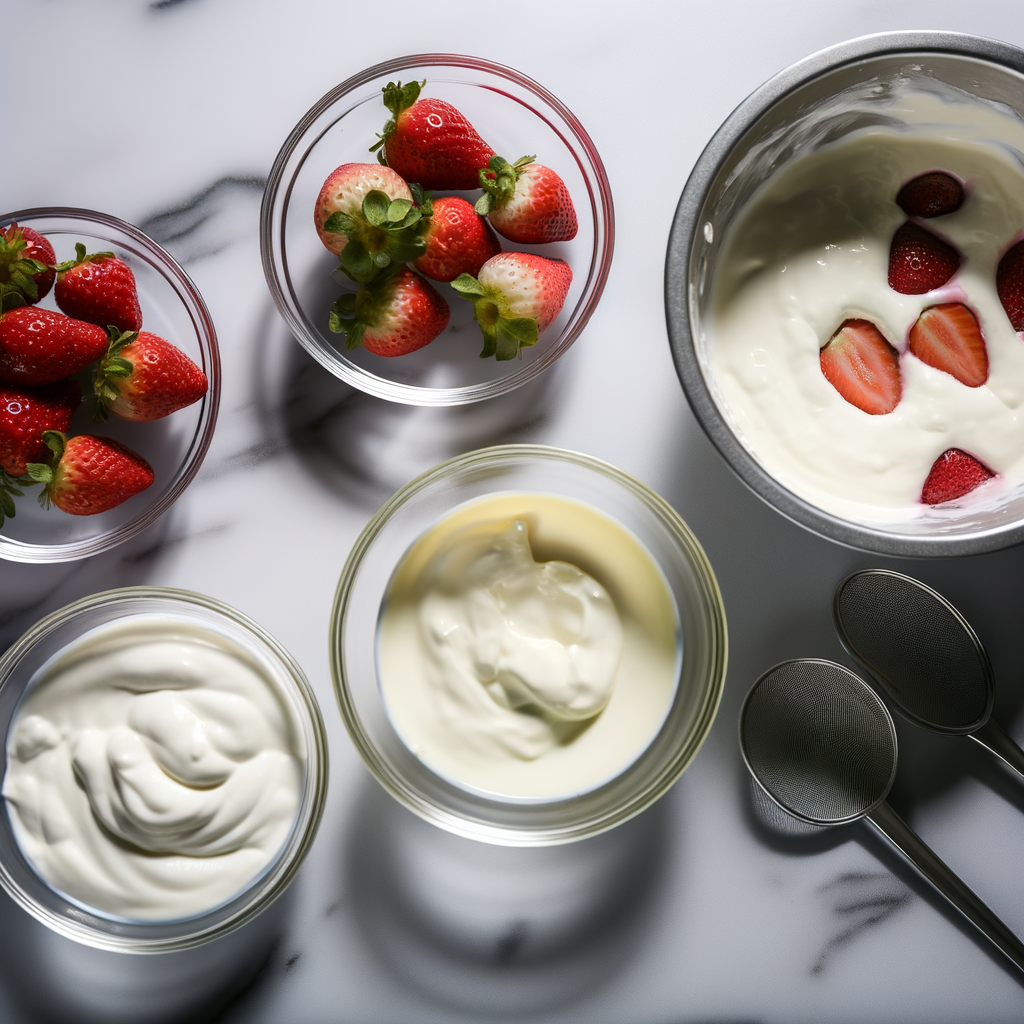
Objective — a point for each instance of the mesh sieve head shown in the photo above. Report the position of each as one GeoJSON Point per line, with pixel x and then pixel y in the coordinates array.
{"type": "Point", "coordinates": [819, 741]}
{"type": "Point", "coordinates": [918, 646]}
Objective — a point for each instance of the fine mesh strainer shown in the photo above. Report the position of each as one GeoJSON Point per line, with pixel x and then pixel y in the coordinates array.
{"type": "Point", "coordinates": [924, 654]}
{"type": "Point", "coordinates": [821, 744]}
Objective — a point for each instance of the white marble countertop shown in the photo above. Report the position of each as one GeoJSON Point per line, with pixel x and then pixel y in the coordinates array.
{"type": "Point", "coordinates": [169, 114]}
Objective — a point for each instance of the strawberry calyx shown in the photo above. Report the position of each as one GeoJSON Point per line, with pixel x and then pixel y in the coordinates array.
{"type": "Point", "coordinates": [385, 232]}
{"type": "Point", "coordinates": [397, 97]}
{"type": "Point", "coordinates": [505, 334]}
{"type": "Point", "coordinates": [81, 256]}
{"type": "Point", "coordinates": [10, 488]}
{"type": "Point", "coordinates": [17, 273]}
{"type": "Point", "coordinates": [45, 472]}
{"type": "Point", "coordinates": [353, 312]}
{"type": "Point", "coordinates": [498, 180]}
{"type": "Point", "coordinates": [113, 367]}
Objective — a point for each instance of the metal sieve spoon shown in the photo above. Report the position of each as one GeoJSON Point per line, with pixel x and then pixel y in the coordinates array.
{"type": "Point", "coordinates": [822, 745]}
{"type": "Point", "coordinates": [924, 654]}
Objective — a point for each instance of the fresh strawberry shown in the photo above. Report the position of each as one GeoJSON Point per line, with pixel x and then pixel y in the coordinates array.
{"type": "Point", "coordinates": [515, 298]}
{"type": "Point", "coordinates": [459, 241]}
{"type": "Point", "coordinates": [863, 367]}
{"type": "Point", "coordinates": [931, 195]}
{"type": "Point", "coordinates": [1010, 284]}
{"type": "Point", "coordinates": [948, 337]}
{"type": "Point", "coordinates": [26, 266]}
{"type": "Point", "coordinates": [526, 202]}
{"type": "Point", "coordinates": [145, 378]}
{"type": "Point", "coordinates": [87, 475]}
{"type": "Point", "coordinates": [99, 289]}
{"type": "Point", "coordinates": [396, 314]}
{"type": "Point", "coordinates": [919, 262]}
{"type": "Point", "coordinates": [365, 213]}
{"type": "Point", "coordinates": [429, 141]}
{"type": "Point", "coordinates": [40, 346]}
{"type": "Point", "coordinates": [953, 474]}
{"type": "Point", "coordinates": [25, 413]}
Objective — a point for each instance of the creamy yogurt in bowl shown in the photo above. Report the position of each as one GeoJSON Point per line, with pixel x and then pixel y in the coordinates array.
{"type": "Point", "coordinates": [165, 770]}
{"type": "Point", "coordinates": [783, 233]}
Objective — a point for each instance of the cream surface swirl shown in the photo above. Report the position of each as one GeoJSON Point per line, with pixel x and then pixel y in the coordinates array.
{"type": "Point", "coordinates": [153, 770]}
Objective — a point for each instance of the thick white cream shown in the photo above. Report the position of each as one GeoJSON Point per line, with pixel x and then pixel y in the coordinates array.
{"type": "Point", "coordinates": [152, 770]}
{"type": "Point", "coordinates": [811, 249]}
{"type": "Point", "coordinates": [528, 647]}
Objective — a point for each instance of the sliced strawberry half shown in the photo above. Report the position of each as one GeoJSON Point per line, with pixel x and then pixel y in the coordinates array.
{"type": "Point", "coordinates": [1010, 284]}
{"type": "Point", "coordinates": [948, 337]}
{"type": "Point", "coordinates": [863, 367]}
{"type": "Point", "coordinates": [953, 474]}
{"type": "Point", "coordinates": [931, 195]}
{"type": "Point", "coordinates": [919, 261]}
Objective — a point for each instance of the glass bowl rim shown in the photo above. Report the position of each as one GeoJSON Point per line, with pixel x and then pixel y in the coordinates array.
{"type": "Point", "coordinates": [718, 645]}
{"type": "Point", "coordinates": [311, 806]}
{"type": "Point", "coordinates": [682, 238]}
{"type": "Point", "coordinates": [206, 332]}
{"type": "Point", "coordinates": [410, 394]}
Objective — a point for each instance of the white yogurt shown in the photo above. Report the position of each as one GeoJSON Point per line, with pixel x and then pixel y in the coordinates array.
{"type": "Point", "coordinates": [528, 647]}
{"type": "Point", "coordinates": [809, 250]}
{"type": "Point", "coordinates": [152, 770]}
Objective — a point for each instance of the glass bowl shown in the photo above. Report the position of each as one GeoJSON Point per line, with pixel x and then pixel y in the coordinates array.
{"type": "Point", "coordinates": [814, 103]}
{"type": "Point", "coordinates": [535, 469]}
{"type": "Point", "coordinates": [516, 116]}
{"type": "Point", "coordinates": [62, 627]}
{"type": "Point", "coordinates": [174, 446]}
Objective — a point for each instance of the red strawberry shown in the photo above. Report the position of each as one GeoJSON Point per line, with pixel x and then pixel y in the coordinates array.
{"type": "Point", "coordinates": [515, 298]}
{"type": "Point", "coordinates": [948, 337]}
{"type": "Point", "coordinates": [1010, 284]}
{"type": "Point", "coordinates": [430, 142]}
{"type": "Point", "coordinates": [26, 266]}
{"type": "Point", "coordinates": [25, 413]}
{"type": "Point", "coordinates": [88, 475]}
{"type": "Point", "coordinates": [526, 202]}
{"type": "Point", "coordinates": [953, 474]}
{"type": "Point", "coordinates": [931, 195]}
{"type": "Point", "coordinates": [919, 262]}
{"type": "Point", "coordinates": [145, 378]}
{"type": "Point", "coordinates": [863, 367]}
{"type": "Point", "coordinates": [344, 191]}
{"type": "Point", "coordinates": [99, 289]}
{"type": "Point", "coordinates": [396, 314]}
{"type": "Point", "coordinates": [40, 346]}
{"type": "Point", "coordinates": [459, 241]}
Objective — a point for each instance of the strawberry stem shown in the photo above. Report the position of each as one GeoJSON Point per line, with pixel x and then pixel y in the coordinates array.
{"type": "Point", "coordinates": [505, 334]}
{"type": "Point", "coordinates": [498, 180]}
{"type": "Point", "coordinates": [397, 97]}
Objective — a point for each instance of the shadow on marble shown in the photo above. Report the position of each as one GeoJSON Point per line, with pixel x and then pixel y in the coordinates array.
{"type": "Point", "coordinates": [362, 448]}
{"type": "Point", "coordinates": [498, 931]}
{"type": "Point", "coordinates": [55, 980]}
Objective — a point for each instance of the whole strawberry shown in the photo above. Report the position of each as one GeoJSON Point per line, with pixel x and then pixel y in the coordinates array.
{"type": "Point", "coordinates": [100, 289]}
{"type": "Point", "coordinates": [429, 141]}
{"type": "Point", "coordinates": [40, 346]}
{"type": "Point", "coordinates": [396, 314]}
{"type": "Point", "coordinates": [919, 261]}
{"type": "Point", "coordinates": [143, 378]}
{"type": "Point", "coordinates": [26, 266]}
{"type": "Point", "coordinates": [87, 475]}
{"type": "Point", "coordinates": [526, 202]}
{"type": "Point", "coordinates": [1010, 284]}
{"type": "Point", "coordinates": [25, 413]}
{"type": "Point", "coordinates": [459, 241]}
{"type": "Point", "coordinates": [515, 298]}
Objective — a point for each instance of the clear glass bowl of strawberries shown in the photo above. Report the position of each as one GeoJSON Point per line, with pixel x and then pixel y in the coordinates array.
{"type": "Point", "coordinates": [437, 230]}
{"type": "Point", "coordinates": [109, 381]}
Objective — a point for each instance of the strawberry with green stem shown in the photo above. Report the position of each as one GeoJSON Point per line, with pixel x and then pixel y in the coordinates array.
{"type": "Point", "coordinates": [526, 201]}
{"type": "Point", "coordinates": [87, 475]}
{"type": "Point", "coordinates": [100, 289]}
{"type": "Point", "coordinates": [429, 141]}
{"type": "Point", "coordinates": [395, 314]}
{"type": "Point", "coordinates": [26, 266]}
{"type": "Point", "coordinates": [515, 298]}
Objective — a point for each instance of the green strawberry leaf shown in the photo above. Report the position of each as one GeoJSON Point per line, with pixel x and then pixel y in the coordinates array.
{"type": "Point", "coordinates": [490, 334]}
{"type": "Point", "coordinates": [468, 286]}
{"type": "Point", "coordinates": [398, 209]}
{"type": "Point", "coordinates": [514, 334]}
{"type": "Point", "coordinates": [375, 207]}
{"type": "Point", "coordinates": [6, 505]}
{"type": "Point", "coordinates": [40, 472]}
{"type": "Point", "coordinates": [339, 223]}
{"type": "Point", "coordinates": [421, 197]}
{"type": "Point", "coordinates": [356, 261]}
